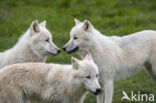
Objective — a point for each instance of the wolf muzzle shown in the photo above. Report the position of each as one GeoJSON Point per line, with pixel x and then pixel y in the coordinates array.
{"type": "Point", "coordinates": [71, 51]}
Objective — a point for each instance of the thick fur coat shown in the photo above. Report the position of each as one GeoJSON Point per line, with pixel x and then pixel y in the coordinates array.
{"type": "Point", "coordinates": [33, 46]}
{"type": "Point", "coordinates": [49, 83]}
{"type": "Point", "coordinates": [116, 57]}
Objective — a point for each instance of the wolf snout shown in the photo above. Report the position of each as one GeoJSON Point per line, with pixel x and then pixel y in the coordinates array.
{"type": "Point", "coordinates": [58, 51]}
{"type": "Point", "coordinates": [99, 91]}
{"type": "Point", "coordinates": [54, 51]}
{"type": "Point", "coordinates": [64, 48]}
{"type": "Point", "coordinates": [70, 50]}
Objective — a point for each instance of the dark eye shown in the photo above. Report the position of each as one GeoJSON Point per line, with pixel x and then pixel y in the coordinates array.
{"type": "Point", "coordinates": [88, 77]}
{"type": "Point", "coordinates": [97, 75]}
{"type": "Point", "coordinates": [47, 40]}
{"type": "Point", "coordinates": [75, 38]}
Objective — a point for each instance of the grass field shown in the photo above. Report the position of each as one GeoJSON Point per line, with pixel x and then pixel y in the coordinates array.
{"type": "Point", "coordinates": [111, 17]}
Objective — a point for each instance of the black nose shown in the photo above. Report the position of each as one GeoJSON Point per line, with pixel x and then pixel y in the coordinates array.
{"type": "Point", "coordinates": [98, 90]}
{"type": "Point", "coordinates": [64, 48]}
{"type": "Point", "coordinates": [58, 51]}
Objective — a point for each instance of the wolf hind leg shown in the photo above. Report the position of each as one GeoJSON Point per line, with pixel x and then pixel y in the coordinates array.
{"type": "Point", "coordinates": [151, 69]}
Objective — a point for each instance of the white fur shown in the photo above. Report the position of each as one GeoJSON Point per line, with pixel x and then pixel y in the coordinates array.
{"type": "Point", "coordinates": [52, 83]}
{"type": "Point", "coordinates": [31, 47]}
{"type": "Point", "coordinates": [116, 57]}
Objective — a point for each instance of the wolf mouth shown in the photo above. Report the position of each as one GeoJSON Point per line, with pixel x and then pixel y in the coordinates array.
{"type": "Point", "coordinates": [51, 53]}
{"type": "Point", "coordinates": [95, 93]}
{"type": "Point", "coordinates": [74, 50]}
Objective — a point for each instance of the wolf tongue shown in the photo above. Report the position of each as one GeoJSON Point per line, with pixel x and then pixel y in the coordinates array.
{"type": "Point", "coordinates": [102, 90]}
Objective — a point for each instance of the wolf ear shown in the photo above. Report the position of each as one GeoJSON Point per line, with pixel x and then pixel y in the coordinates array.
{"type": "Point", "coordinates": [86, 25]}
{"type": "Point", "coordinates": [43, 24]}
{"type": "Point", "coordinates": [77, 21]}
{"type": "Point", "coordinates": [75, 63]}
{"type": "Point", "coordinates": [89, 57]}
{"type": "Point", "coordinates": [35, 26]}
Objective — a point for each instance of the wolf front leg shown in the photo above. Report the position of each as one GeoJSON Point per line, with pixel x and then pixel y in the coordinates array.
{"type": "Point", "coordinates": [108, 86]}
{"type": "Point", "coordinates": [100, 98]}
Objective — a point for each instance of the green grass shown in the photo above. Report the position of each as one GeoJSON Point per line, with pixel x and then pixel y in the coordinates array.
{"type": "Point", "coordinates": [111, 17]}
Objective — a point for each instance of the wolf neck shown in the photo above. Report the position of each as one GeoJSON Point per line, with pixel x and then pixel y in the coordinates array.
{"type": "Point", "coordinates": [98, 38]}
{"type": "Point", "coordinates": [78, 92]}
{"type": "Point", "coordinates": [105, 53]}
{"type": "Point", "coordinates": [77, 95]}
{"type": "Point", "coordinates": [23, 48]}
{"type": "Point", "coordinates": [110, 56]}
{"type": "Point", "coordinates": [101, 43]}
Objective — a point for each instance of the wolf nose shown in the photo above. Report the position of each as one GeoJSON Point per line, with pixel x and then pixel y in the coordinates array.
{"type": "Point", "coordinates": [58, 51]}
{"type": "Point", "coordinates": [98, 90]}
{"type": "Point", "coordinates": [64, 48]}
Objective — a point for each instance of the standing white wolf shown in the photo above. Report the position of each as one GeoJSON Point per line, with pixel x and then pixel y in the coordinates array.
{"type": "Point", "coordinates": [52, 83]}
{"type": "Point", "coordinates": [33, 46]}
{"type": "Point", "coordinates": [116, 57]}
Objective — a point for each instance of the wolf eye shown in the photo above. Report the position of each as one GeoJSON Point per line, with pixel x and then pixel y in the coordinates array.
{"type": "Point", "coordinates": [47, 40]}
{"type": "Point", "coordinates": [75, 38]}
{"type": "Point", "coordinates": [88, 77]}
{"type": "Point", "coordinates": [97, 75]}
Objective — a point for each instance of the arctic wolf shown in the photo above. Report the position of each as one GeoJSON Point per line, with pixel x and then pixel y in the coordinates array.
{"type": "Point", "coordinates": [33, 46]}
{"type": "Point", "coordinates": [52, 83]}
{"type": "Point", "coordinates": [116, 57]}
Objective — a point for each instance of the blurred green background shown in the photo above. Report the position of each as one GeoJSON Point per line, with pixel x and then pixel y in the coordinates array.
{"type": "Point", "coordinates": [111, 17]}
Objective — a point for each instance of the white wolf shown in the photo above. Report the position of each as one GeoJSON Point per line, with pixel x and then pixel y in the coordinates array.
{"type": "Point", "coordinates": [33, 46]}
{"type": "Point", "coordinates": [52, 83]}
{"type": "Point", "coordinates": [116, 57]}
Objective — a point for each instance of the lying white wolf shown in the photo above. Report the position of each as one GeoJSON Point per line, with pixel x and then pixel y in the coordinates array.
{"type": "Point", "coordinates": [52, 83]}
{"type": "Point", "coordinates": [33, 46]}
{"type": "Point", "coordinates": [116, 57]}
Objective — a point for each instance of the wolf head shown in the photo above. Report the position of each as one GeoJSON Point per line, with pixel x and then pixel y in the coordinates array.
{"type": "Point", "coordinates": [86, 73]}
{"type": "Point", "coordinates": [41, 40]}
{"type": "Point", "coordinates": [80, 37]}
